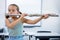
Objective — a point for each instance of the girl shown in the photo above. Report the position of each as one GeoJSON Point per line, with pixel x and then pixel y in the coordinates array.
{"type": "Point", "coordinates": [15, 25]}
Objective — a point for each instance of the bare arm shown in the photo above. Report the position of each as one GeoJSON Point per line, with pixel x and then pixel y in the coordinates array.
{"type": "Point", "coordinates": [28, 21]}
{"type": "Point", "coordinates": [11, 25]}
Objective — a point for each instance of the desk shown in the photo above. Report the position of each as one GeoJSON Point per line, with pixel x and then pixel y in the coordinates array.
{"type": "Point", "coordinates": [46, 36]}
{"type": "Point", "coordinates": [43, 36]}
{"type": "Point", "coordinates": [3, 35]}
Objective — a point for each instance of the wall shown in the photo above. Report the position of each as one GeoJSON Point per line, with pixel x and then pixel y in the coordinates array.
{"type": "Point", "coordinates": [2, 13]}
{"type": "Point", "coordinates": [50, 6]}
{"type": "Point", "coordinates": [52, 23]}
{"type": "Point", "coordinates": [58, 7]}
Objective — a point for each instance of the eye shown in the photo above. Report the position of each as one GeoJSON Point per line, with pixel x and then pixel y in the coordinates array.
{"type": "Point", "coordinates": [13, 10]}
{"type": "Point", "coordinates": [9, 10]}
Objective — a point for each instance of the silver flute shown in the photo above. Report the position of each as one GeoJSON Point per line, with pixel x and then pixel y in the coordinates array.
{"type": "Point", "coordinates": [32, 15]}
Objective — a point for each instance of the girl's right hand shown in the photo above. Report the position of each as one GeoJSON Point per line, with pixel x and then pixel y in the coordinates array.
{"type": "Point", "coordinates": [22, 16]}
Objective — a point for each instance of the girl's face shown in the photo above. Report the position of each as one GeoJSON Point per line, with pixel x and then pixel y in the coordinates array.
{"type": "Point", "coordinates": [12, 10]}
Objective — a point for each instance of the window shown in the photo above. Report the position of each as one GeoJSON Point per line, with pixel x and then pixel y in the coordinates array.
{"type": "Point", "coordinates": [2, 13]}
{"type": "Point", "coordinates": [28, 6]}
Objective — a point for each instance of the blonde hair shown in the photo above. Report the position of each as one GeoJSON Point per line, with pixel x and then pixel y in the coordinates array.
{"type": "Point", "coordinates": [16, 6]}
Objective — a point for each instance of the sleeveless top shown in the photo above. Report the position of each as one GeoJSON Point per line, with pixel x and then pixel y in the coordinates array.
{"type": "Point", "coordinates": [17, 30]}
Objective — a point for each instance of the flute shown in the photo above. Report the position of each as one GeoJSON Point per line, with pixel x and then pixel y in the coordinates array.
{"type": "Point", "coordinates": [32, 15]}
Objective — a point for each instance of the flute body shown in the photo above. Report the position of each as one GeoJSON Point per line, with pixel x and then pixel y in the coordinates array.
{"type": "Point", "coordinates": [31, 15]}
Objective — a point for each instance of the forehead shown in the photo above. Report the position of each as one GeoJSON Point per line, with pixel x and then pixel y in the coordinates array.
{"type": "Point", "coordinates": [12, 7]}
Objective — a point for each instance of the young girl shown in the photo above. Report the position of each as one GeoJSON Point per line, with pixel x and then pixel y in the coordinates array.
{"type": "Point", "coordinates": [15, 25]}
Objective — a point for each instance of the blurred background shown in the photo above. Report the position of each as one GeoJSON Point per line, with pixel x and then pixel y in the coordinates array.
{"type": "Point", "coordinates": [34, 6]}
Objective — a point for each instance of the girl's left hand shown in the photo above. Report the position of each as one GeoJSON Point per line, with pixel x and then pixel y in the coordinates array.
{"type": "Point", "coordinates": [45, 16]}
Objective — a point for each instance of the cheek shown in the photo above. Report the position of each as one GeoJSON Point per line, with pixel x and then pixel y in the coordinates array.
{"type": "Point", "coordinates": [15, 12]}
{"type": "Point", "coordinates": [9, 12]}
